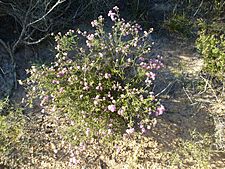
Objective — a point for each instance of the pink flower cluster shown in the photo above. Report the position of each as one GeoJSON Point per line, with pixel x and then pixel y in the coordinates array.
{"type": "Point", "coordinates": [55, 82]}
{"type": "Point", "coordinates": [44, 100]}
{"type": "Point", "coordinates": [160, 110]}
{"type": "Point", "coordinates": [94, 23]}
{"type": "Point", "coordinates": [89, 40]}
{"type": "Point", "coordinates": [150, 75]}
{"type": "Point", "coordinates": [62, 72]}
{"type": "Point", "coordinates": [99, 87]}
{"type": "Point", "coordinates": [113, 15]}
{"type": "Point", "coordinates": [130, 131]}
{"type": "Point", "coordinates": [112, 108]}
{"type": "Point", "coordinates": [121, 111]}
{"type": "Point", "coordinates": [151, 64]}
{"type": "Point", "coordinates": [107, 76]}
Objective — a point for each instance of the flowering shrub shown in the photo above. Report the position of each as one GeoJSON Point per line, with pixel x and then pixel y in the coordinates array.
{"type": "Point", "coordinates": [102, 88]}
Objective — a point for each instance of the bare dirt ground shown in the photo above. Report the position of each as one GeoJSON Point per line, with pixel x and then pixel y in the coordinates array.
{"type": "Point", "coordinates": [190, 106]}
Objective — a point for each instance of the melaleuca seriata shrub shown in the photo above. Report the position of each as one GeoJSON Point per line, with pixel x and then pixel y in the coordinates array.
{"type": "Point", "coordinates": [103, 87]}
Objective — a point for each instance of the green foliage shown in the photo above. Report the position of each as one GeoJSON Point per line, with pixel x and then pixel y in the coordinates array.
{"type": "Point", "coordinates": [219, 6]}
{"type": "Point", "coordinates": [203, 9]}
{"type": "Point", "coordinates": [138, 9]}
{"type": "Point", "coordinates": [185, 14]}
{"type": "Point", "coordinates": [211, 44]}
{"type": "Point", "coordinates": [207, 18]}
{"type": "Point", "coordinates": [11, 129]}
{"type": "Point", "coordinates": [180, 24]}
{"type": "Point", "coordinates": [3, 104]}
{"type": "Point", "coordinates": [105, 86]}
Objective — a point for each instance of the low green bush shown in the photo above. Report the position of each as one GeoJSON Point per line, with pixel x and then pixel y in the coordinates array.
{"type": "Point", "coordinates": [204, 21]}
{"type": "Point", "coordinates": [211, 44]}
{"type": "Point", "coordinates": [180, 24]}
{"type": "Point", "coordinates": [102, 87]}
{"type": "Point", "coordinates": [11, 130]}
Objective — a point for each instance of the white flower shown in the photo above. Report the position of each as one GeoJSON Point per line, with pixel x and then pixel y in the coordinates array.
{"type": "Point", "coordinates": [107, 75]}
{"type": "Point", "coordinates": [94, 23]}
{"type": "Point", "coordinates": [88, 131]}
{"type": "Point", "coordinates": [116, 8]}
{"type": "Point", "coordinates": [121, 111]}
{"type": "Point", "coordinates": [145, 33]}
{"type": "Point", "coordinates": [101, 55]}
{"type": "Point", "coordinates": [90, 37]}
{"type": "Point", "coordinates": [130, 131]}
{"type": "Point", "coordinates": [112, 108]}
{"type": "Point", "coordinates": [112, 15]}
